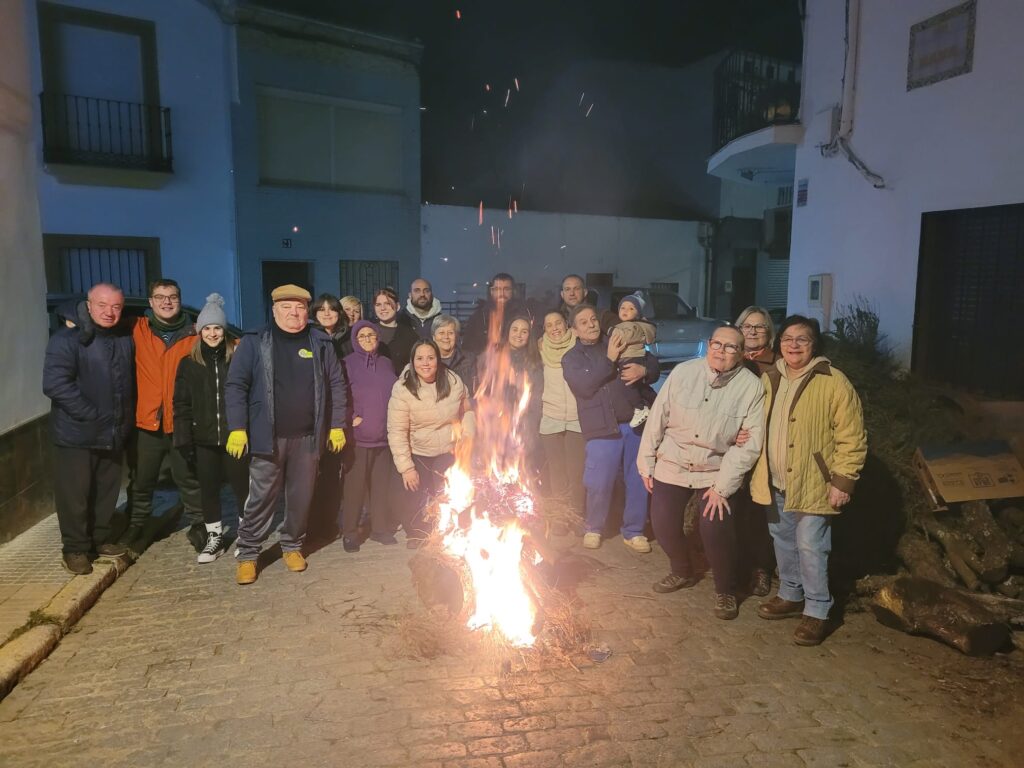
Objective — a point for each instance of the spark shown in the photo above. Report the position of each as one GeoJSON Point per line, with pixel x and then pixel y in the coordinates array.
{"type": "Point", "coordinates": [582, 94]}
{"type": "Point", "coordinates": [458, 15]}
{"type": "Point", "coordinates": [562, 248]}
{"type": "Point", "coordinates": [472, 122]}
{"type": "Point", "coordinates": [475, 284]}
{"type": "Point", "coordinates": [444, 258]}
{"type": "Point", "coordinates": [499, 238]}
{"type": "Point", "coordinates": [423, 109]}
{"type": "Point", "coordinates": [492, 235]}
{"type": "Point", "coordinates": [295, 228]}
{"type": "Point", "coordinates": [515, 206]}
{"type": "Point", "coordinates": [481, 214]}
{"type": "Point", "coordinates": [487, 87]}
{"type": "Point", "coordinates": [516, 81]}
{"type": "Point", "coordinates": [453, 187]}
{"type": "Point", "coordinates": [508, 92]}
{"type": "Point", "coordinates": [588, 110]}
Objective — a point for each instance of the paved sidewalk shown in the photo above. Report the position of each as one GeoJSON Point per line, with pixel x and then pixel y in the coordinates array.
{"type": "Point", "coordinates": [177, 666]}
{"type": "Point", "coordinates": [30, 574]}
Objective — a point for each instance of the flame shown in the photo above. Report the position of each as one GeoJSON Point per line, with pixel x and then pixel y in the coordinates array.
{"type": "Point", "coordinates": [491, 541]}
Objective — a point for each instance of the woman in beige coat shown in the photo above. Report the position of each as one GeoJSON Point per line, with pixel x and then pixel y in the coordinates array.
{"type": "Point", "coordinates": [427, 414]}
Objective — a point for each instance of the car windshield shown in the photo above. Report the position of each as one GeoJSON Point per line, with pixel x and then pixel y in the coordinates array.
{"type": "Point", "coordinates": [668, 306]}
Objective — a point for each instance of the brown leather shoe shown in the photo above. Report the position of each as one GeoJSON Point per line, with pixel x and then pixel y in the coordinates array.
{"type": "Point", "coordinates": [760, 583]}
{"type": "Point", "coordinates": [294, 561]}
{"type": "Point", "coordinates": [246, 572]}
{"type": "Point", "coordinates": [777, 608]}
{"type": "Point", "coordinates": [811, 631]}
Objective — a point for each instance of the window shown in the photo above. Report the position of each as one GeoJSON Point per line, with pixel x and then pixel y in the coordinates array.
{"type": "Point", "coordinates": [310, 140]}
{"type": "Point", "coordinates": [74, 263]}
{"type": "Point", "coordinates": [363, 278]}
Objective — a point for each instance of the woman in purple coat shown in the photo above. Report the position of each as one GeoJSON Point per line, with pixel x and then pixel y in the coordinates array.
{"type": "Point", "coordinates": [368, 462]}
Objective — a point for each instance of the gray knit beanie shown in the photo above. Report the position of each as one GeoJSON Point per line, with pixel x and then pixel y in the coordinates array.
{"type": "Point", "coordinates": [213, 313]}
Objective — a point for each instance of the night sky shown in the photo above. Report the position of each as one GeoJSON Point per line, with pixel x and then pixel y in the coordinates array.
{"type": "Point", "coordinates": [480, 155]}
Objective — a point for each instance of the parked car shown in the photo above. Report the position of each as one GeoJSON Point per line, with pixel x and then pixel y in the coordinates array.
{"type": "Point", "coordinates": [682, 332]}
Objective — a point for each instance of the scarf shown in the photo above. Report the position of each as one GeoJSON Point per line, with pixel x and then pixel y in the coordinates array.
{"type": "Point", "coordinates": [551, 351]}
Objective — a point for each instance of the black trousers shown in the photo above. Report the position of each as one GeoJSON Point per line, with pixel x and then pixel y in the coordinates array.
{"type": "Point", "coordinates": [325, 508]}
{"type": "Point", "coordinates": [85, 487]}
{"type": "Point", "coordinates": [566, 453]}
{"type": "Point", "coordinates": [668, 503]}
{"type": "Point", "coordinates": [145, 459]}
{"type": "Point", "coordinates": [214, 467]}
{"type": "Point", "coordinates": [412, 504]}
{"type": "Point", "coordinates": [754, 548]}
{"type": "Point", "coordinates": [369, 474]}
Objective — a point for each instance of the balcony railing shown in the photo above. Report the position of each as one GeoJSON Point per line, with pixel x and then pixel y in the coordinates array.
{"type": "Point", "coordinates": [80, 130]}
{"type": "Point", "coordinates": [753, 92]}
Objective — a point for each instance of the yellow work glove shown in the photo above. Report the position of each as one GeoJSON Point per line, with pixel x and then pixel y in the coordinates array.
{"type": "Point", "coordinates": [336, 440]}
{"type": "Point", "coordinates": [238, 441]}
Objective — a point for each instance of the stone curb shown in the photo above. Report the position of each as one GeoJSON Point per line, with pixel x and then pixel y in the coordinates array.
{"type": "Point", "coordinates": [21, 655]}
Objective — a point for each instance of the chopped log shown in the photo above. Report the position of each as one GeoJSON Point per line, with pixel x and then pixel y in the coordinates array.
{"type": "Point", "coordinates": [867, 586]}
{"type": "Point", "coordinates": [958, 551]}
{"type": "Point", "coordinates": [1007, 609]}
{"type": "Point", "coordinates": [1013, 586]}
{"type": "Point", "coordinates": [923, 559]}
{"type": "Point", "coordinates": [995, 546]}
{"type": "Point", "coordinates": [922, 607]}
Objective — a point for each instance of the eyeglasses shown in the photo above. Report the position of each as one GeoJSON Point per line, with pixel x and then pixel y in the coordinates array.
{"type": "Point", "coordinates": [717, 345]}
{"type": "Point", "coordinates": [162, 298]}
{"type": "Point", "coordinates": [368, 336]}
{"type": "Point", "coordinates": [797, 341]}
{"type": "Point", "coordinates": [748, 328]}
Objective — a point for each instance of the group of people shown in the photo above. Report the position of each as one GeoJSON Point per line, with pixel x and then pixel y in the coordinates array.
{"type": "Point", "coordinates": [356, 421]}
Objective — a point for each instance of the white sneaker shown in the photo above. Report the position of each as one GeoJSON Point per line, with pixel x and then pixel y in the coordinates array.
{"type": "Point", "coordinates": [638, 544]}
{"type": "Point", "coordinates": [639, 416]}
{"type": "Point", "coordinates": [592, 541]}
{"type": "Point", "coordinates": [214, 548]}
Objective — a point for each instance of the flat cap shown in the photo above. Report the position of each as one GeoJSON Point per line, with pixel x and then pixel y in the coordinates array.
{"type": "Point", "coordinates": [290, 293]}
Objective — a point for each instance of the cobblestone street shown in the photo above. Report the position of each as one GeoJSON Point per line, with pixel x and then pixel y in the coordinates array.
{"type": "Point", "coordinates": [177, 666]}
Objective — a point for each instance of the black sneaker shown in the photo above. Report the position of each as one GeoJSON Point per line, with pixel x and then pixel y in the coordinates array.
{"type": "Point", "coordinates": [131, 535]}
{"type": "Point", "coordinates": [350, 544]}
{"type": "Point", "coordinates": [196, 536]}
{"type": "Point", "coordinates": [725, 607]}
{"type": "Point", "coordinates": [112, 550]}
{"type": "Point", "coordinates": [213, 548]}
{"type": "Point", "coordinates": [76, 563]}
{"type": "Point", "coordinates": [672, 582]}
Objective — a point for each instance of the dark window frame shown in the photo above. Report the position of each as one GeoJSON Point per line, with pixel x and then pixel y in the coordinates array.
{"type": "Point", "coordinates": [54, 245]}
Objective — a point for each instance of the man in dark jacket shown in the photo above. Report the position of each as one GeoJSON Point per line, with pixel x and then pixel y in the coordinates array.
{"type": "Point", "coordinates": [89, 376]}
{"type": "Point", "coordinates": [498, 311]}
{"type": "Point", "coordinates": [421, 307]}
{"type": "Point", "coordinates": [606, 399]}
{"type": "Point", "coordinates": [285, 398]}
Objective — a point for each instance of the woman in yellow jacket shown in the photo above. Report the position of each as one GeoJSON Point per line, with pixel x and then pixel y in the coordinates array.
{"type": "Point", "coordinates": [814, 450]}
{"type": "Point", "coordinates": [426, 403]}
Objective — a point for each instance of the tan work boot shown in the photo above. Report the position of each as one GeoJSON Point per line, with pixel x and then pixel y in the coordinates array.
{"type": "Point", "coordinates": [638, 544]}
{"type": "Point", "coordinates": [246, 572]}
{"type": "Point", "coordinates": [294, 561]}
{"type": "Point", "coordinates": [777, 608]}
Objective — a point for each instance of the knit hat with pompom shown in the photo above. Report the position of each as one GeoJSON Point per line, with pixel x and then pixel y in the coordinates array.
{"type": "Point", "coordinates": [213, 313]}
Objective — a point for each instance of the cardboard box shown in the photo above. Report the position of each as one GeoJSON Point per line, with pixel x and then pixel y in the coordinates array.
{"type": "Point", "coordinates": [975, 471]}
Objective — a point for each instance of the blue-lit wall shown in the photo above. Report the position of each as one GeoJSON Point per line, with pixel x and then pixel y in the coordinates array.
{"type": "Point", "coordinates": [193, 214]}
{"type": "Point", "coordinates": [333, 224]}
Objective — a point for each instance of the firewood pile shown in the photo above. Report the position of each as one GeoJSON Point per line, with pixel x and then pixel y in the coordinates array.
{"type": "Point", "coordinates": [963, 582]}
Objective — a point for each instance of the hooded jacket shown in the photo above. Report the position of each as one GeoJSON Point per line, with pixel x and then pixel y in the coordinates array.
{"type": "Point", "coordinates": [249, 390]}
{"type": "Point", "coordinates": [421, 323]}
{"type": "Point", "coordinates": [89, 376]}
{"type": "Point", "coordinates": [370, 380]}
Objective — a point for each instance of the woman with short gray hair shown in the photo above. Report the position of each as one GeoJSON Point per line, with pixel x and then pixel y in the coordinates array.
{"type": "Point", "coordinates": [445, 331]}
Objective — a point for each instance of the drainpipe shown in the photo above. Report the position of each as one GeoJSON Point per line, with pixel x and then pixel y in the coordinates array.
{"type": "Point", "coordinates": [705, 239]}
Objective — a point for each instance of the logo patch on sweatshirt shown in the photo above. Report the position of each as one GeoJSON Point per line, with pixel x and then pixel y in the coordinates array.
{"type": "Point", "coordinates": [305, 353]}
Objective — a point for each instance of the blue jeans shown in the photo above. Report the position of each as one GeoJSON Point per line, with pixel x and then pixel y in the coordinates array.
{"type": "Point", "coordinates": [605, 459]}
{"type": "Point", "coordinates": [802, 546]}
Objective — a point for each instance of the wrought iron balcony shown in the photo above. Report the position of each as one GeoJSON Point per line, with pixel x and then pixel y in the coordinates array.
{"type": "Point", "coordinates": [753, 92]}
{"type": "Point", "coordinates": [84, 131]}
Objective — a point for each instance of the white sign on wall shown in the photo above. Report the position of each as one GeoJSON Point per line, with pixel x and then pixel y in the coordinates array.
{"type": "Point", "coordinates": [942, 47]}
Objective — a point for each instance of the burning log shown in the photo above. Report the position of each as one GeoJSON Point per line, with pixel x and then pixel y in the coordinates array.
{"type": "Point", "coordinates": [923, 607]}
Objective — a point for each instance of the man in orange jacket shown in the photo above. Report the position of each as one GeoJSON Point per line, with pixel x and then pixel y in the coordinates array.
{"type": "Point", "coordinates": [162, 338]}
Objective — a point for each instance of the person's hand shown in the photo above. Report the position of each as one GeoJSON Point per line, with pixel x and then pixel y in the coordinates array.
{"type": "Point", "coordinates": [411, 480]}
{"type": "Point", "coordinates": [238, 441]}
{"type": "Point", "coordinates": [632, 373]}
{"type": "Point", "coordinates": [616, 344]}
{"type": "Point", "coordinates": [357, 421]}
{"type": "Point", "coordinates": [742, 437]}
{"type": "Point", "coordinates": [837, 498]}
{"type": "Point", "coordinates": [716, 503]}
{"type": "Point", "coordinates": [336, 440]}
{"type": "Point", "coordinates": [648, 483]}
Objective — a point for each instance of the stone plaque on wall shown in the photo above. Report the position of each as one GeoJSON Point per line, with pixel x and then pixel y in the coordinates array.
{"type": "Point", "coordinates": [942, 47]}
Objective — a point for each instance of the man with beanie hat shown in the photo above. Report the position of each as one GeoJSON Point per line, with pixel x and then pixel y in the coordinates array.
{"type": "Point", "coordinates": [638, 333]}
{"type": "Point", "coordinates": [286, 402]}
{"type": "Point", "coordinates": [162, 338]}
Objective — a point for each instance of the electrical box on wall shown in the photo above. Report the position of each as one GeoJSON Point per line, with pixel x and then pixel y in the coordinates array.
{"type": "Point", "coordinates": [819, 297]}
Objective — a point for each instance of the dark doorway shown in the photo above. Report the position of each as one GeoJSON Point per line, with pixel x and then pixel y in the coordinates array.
{"type": "Point", "coordinates": [969, 297]}
{"type": "Point", "coordinates": [742, 289]}
{"type": "Point", "coordinates": [277, 273]}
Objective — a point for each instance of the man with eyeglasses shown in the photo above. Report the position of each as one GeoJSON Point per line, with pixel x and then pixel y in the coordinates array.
{"type": "Point", "coordinates": [163, 336]}
{"type": "Point", "coordinates": [689, 447]}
